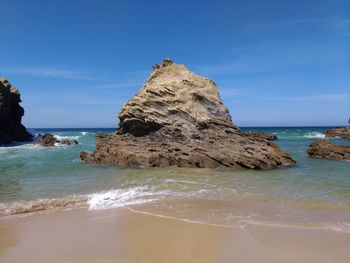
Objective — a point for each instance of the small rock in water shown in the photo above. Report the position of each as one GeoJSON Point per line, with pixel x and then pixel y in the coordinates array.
{"type": "Point", "coordinates": [262, 135]}
{"type": "Point", "coordinates": [48, 140]}
{"type": "Point", "coordinates": [327, 150]}
{"type": "Point", "coordinates": [69, 142]}
{"type": "Point", "coordinates": [342, 132]}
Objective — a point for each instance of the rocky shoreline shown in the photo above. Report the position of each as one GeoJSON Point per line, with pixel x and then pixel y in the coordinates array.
{"type": "Point", "coordinates": [178, 119]}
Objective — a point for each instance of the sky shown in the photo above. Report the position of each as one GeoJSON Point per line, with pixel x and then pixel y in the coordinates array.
{"type": "Point", "coordinates": [276, 63]}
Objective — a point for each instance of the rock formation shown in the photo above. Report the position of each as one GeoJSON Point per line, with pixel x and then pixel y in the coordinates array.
{"type": "Point", "coordinates": [178, 119]}
{"type": "Point", "coordinates": [11, 128]}
{"type": "Point", "coordinates": [49, 140]}
{"type": "Point", "coordinates": [327, 150]}
{"type": "Point", "coordinates": [261, 135]}
{"type": "Point", "coordinates": [342, 132]}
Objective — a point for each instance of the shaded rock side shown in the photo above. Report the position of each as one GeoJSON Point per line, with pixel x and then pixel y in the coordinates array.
{"type": "Point", "coordinates": [327, 150]}
{"type": "Point", "coordinates": [11, 113]}
{"type": "Point", "coordinates": [49, 140]}
{"type": "Point", "coordinates": [178, 119]}
{"type": "Point", "coordinates": [342, 132]}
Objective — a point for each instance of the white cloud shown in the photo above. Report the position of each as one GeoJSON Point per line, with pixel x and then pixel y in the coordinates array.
{"type": "Point", "coordinates": [51, 72]}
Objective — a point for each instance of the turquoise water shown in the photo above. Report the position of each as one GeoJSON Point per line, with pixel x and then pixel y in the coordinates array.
{"type": "Point", "coordinates": [313, 192]}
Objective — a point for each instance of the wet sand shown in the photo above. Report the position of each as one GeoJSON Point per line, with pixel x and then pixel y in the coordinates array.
{"type": "Point", "coordinates": [120, 235]}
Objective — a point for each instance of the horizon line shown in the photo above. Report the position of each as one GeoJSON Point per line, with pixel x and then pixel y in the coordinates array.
{"type": "Point", "coordinates": [294, 126]}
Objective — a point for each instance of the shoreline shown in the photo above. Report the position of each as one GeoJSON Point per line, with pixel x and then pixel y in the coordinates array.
{"type": "Point", "coordinates": [238, 212]}
{"type": "Point", "coordinates": [120, 235]}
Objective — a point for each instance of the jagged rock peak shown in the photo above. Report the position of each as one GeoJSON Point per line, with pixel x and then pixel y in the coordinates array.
{"type": "Point", "coordinates": [166, 62]}
{"type": "Point", "coordinates": [175, 96]}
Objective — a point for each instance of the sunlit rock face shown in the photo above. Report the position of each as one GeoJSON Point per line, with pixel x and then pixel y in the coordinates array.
{"type": "Point", "coordinates": [178, 119]}
{"type": "Point", "coordinates": [327, 150]}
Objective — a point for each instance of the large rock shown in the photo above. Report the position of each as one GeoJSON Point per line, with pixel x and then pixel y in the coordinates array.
{"type": "Point", "coordinates": [178, 119]}
{"type": "Point", "coordinates": [49, 140]}
{"type": "Point", "coordinates": [327, 150]}
{"type": "Point", "coordinates": [342, 132]}
{"type": "Point", "coordinates": [11, 112]}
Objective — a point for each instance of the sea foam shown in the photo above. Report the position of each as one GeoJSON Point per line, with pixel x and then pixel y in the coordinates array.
{"type": "Point", "coordinates": [60, 137]}
{"type": "Point", "coordinates": [316, 135]}
{"type": "Point", "coordinates": [120, 197]}
{"type": "Point", "coordinates": [22, 207]}
{"type": "Point", "coordinates": [96, 201]}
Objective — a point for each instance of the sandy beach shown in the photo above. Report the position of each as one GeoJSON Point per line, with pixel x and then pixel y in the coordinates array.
{"type": "Point", "coordinates": [121, 235]}
{"type": "Point", "coordinates": [175, 131]}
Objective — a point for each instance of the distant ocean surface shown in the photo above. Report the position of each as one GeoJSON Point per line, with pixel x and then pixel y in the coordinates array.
{"type": "Point", "coordinates": [314, 193]}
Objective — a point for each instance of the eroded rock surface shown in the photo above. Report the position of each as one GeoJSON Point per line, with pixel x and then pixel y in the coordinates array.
{"type": "Point", "coordinates": [11, 113]}
{"type": "Point", "coordinates": [327, 150]}
{"type": "Point", "coordinates": [49, 140]}
{"type": "Point", "coordinates": [342, 132]}
{"type": "Point", "coordinates": [262, 135]}
{"type": "Point", "coordinates": [178, 119]}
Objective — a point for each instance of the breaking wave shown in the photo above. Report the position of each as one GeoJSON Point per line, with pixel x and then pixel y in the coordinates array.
{"type": "Point", "coordinates": [19, 145]}
{"type": "Point", "coordinates": [96, 201]}
{"type": "Point", "coordinates": [317, 135]}
{"type": "Point", "coordinates": [131, 197]}
{"type": "Point", "coordinates": [120, 197]}
{"type": "Point", "coordinates": [60, 137]}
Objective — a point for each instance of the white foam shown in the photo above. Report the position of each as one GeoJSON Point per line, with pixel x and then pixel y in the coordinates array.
{"type": "Point", "coordinates": [312, 135]}
{"type": "Point", "coordinates": [343, 227]}
{"type": "Point", "coordinates": [22, 207]}
{"type": "Point", "coordinates": [84, 133]}
{"type": "Point", "coordinates": [119, 198]}
{"type": "Point", "coordinates": [179, 219]}
{"type": "Point", "coordinates": [19, 146]}
{"type": "Point", "coordinates": [60, 145]}
{"type": "Point", "coordinates": [59, 137]}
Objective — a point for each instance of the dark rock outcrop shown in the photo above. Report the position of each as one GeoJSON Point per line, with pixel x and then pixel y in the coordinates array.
{"type": "Point", "coordinates": [68, 142]}
{"type": "Point", "coordinates": [178, 119]}
{"type": "Point", "coordinates": [11, 112]}
{"type": "Point", "coordinates": [327, 150]}
{"type": "Point", "coordinates": [49, 140]}
{"type": "Point", "coordinates": [342, 132]}
{"type": "Point", "coordinates": [261, 135]}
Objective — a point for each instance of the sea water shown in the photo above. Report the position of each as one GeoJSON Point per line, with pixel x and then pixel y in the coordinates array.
{"type": "Point", "coordinates": [314, 193]}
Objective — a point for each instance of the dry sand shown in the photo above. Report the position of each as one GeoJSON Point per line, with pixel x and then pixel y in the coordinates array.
{"type": "Point", "coordinates": [120, 235]}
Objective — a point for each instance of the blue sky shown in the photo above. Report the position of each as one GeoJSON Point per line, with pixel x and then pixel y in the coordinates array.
{"type": "Point", "coordinates": [276, 63]}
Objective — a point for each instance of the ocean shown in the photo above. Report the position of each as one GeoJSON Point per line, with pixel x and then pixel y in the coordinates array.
{"type": "Point", "coordinates": [314, 193]}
